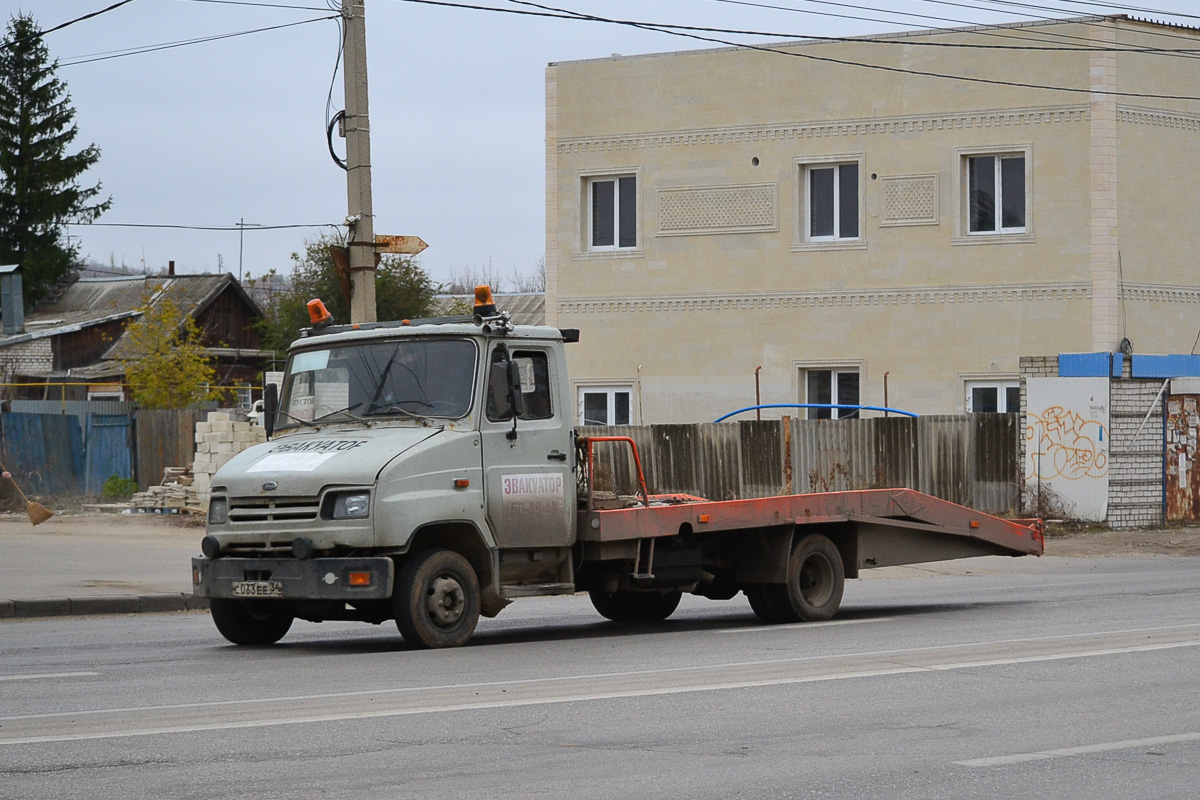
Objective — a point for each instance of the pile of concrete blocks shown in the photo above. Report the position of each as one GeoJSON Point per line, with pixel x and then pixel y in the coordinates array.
{"type": "Point", "coordinates": [219, 439]}
{"type": "Point", "coordinates": [174, 494]}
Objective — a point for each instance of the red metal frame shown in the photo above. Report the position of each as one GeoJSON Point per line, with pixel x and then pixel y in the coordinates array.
{"type": "Point", "coordinates": [637, 460]}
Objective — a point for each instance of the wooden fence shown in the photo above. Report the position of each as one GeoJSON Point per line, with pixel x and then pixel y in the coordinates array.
{"type": "Point", "coordinates": [972, 459]}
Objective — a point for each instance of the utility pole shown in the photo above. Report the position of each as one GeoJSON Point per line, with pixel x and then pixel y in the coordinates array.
{"type": "Point", "coordinates": [241, 224]}
{"type": "Point", "coordinates": [361, 240]}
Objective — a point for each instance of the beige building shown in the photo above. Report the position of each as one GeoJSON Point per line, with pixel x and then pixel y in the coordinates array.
{"type": "Point", "coordinates": [848, 228]}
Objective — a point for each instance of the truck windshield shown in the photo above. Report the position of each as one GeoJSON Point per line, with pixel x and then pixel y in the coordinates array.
{"type": "Point", "coordinates": [414, 378]}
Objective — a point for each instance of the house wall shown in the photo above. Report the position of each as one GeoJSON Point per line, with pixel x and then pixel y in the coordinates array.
{"type": "Point", "coordinates": [34, 356]}
{"type": "Point", "coordinates": [85, 347]}
{"type": "Point", "coordinates": [724, 279]}
{"type": "Point", "coordinates": [226, 322]}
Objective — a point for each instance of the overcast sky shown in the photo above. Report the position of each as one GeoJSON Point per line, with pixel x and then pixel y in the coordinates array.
{"type": "Point", "coordinates": [222, 131]}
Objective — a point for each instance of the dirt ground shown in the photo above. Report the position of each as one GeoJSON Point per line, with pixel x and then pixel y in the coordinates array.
{"type": "Point", "coordinates": [1174, 541]}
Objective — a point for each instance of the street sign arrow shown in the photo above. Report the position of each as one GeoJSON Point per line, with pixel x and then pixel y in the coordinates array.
{"type": "Point", "coordinates": [405, 245]}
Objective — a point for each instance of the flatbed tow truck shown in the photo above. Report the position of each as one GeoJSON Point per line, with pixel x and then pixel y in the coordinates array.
{"type": "Point", "coordinates": [428, 472]}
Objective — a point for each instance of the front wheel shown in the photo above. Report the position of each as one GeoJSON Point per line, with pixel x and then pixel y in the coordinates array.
{"type": "Point", "coordinates": [437, 600]}
{"type": "Point", "coordinates": [626, 606]}
{"type": "Point", "coordinates": [250, 622]}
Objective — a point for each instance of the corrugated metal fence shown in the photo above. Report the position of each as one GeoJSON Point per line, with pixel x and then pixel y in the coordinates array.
{"type": "Point", "coordinates": [56, 449]}
{"type": "Point", "coordinates": [971, 459]}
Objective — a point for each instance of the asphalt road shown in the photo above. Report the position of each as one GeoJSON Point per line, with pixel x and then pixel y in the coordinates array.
{"type": "Point", "coordinates": [1058, 677]}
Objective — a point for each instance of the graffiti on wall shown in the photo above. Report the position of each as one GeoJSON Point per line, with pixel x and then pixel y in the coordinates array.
{"type": "Point", "coordinates": [1066, 444]}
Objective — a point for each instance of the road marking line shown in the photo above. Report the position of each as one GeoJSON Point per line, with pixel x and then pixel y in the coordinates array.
{"type": "Point", "coordinates": [523, 693]}
{"type": "Point", "coordinates": [1063, 752]}
{"type": "Point", "coordinates": [43, 675]}
{"type": "Point", "coordinates": [805, 625]}
{"type": "Point", "coordinates": [904, 651]}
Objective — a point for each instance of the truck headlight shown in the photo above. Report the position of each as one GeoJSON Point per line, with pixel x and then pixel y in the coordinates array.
{"type": "Point", "coordinates": [352, 505]}
{"type": "Point", "coordinates": [218, 511]}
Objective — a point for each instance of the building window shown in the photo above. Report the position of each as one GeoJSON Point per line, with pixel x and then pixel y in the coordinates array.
{"type": "Point", "coordinates": [836, 387]}
{"type": "Point", "coordinates": [612, 212]}
{"type": "Point", "coordinates": [605, 405]}
{"type": "Point", "coordinates": [991, 397]}
{"type": "Point", "coordinates": [996, 200]}
{"type": "Point", "coordinates": [832, 201]}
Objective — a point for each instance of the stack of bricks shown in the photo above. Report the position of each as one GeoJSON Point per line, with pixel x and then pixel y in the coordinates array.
{"type": "Point", "coordinates": [219, 439]}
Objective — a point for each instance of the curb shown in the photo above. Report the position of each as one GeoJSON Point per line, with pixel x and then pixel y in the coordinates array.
{"type": "Point", "coordinates": [110, 604]}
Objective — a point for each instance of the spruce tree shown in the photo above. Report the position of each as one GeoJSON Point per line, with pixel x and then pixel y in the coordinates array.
{"type": "Point", "coordinates": [39, 179]}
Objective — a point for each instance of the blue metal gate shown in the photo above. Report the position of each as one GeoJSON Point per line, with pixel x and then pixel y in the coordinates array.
{"type": "Point", "coordinates": [44, 452]}
{"type": "Point", "coordinates": [109, 449]}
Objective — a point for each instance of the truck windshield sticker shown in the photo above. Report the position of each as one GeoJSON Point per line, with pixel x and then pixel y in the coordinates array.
{"type": "Point", "coordinates": [312, 360]}
{"type": "Point", "coordinates": [291, 462]}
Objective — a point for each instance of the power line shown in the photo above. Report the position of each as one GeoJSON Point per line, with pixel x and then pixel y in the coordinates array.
{"type": "Point", "coordinates": [68, 23]}
{"type": "Point", "coordinates": [200, 227]}
{"type": "Point", "coordinates": [1088, 4]}
{"type": "Point", "coordinates": [1030, 34]}
{"type": "Point", "coordinates": [682, 31]}
{"type": "Point", "coordinates": [133, 51]}
{"type": "Point", "coordinates": [258, 5]}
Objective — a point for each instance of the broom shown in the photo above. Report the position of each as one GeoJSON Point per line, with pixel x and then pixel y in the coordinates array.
{"type": "Point", "coordinates": [38, 513]}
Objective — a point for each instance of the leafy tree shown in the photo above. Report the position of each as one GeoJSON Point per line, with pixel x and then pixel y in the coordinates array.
{"type": "Point", "coordinates": [39, 179]}
{"type": "Point", "coordinates": [402, 291]}
{"type": "Point", "coordinates": [167, 366]}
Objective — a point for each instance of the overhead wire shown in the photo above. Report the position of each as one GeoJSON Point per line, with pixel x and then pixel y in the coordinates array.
{"type": "Point", "coordinates": [1091, 4]}
{"type": "Point", "coordinates": [981, 29]}
{"type": "Point", "coordinates": [671, 30]}
{"type": "Point", "coordinates": [66, 24]}
{"type": "Point", "coordinates": [133, 51]}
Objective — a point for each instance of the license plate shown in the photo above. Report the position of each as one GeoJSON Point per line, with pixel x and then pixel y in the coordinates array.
{"type": "Point", "coordinates": [258, 589]}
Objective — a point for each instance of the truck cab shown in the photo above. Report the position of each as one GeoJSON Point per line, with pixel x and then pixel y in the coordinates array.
{"type": "Point", "coordinates": [417, 472]}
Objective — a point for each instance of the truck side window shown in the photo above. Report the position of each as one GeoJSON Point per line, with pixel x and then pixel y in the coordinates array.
{"type": "Point", "coordinates": [535, 386]}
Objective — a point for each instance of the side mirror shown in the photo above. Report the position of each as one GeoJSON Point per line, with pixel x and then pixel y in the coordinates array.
{"type": "Point", "coordinates": [515, 398]}
{"type": "Point", "coordinates": [270, 407]}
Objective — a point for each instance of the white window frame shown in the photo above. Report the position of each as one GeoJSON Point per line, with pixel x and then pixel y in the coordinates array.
{"type": "Point", "coordinates": [834, 368]}
{"type": "Point", "coordinates": [963, 212]}
{"type": "Point", "coordinates": [588, 180]}
{"type": "Point", "coordinates": [836, 236]}
{"type": "Point", "coordinates": [804, 240]}
{"type": "Point", "coordinates": [610, 390]}
{"type": "Point", "coordinates": [1001, 385]}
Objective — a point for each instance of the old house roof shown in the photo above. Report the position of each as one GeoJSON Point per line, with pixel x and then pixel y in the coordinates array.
{"type": "Point", "coordinates": [89, 302]}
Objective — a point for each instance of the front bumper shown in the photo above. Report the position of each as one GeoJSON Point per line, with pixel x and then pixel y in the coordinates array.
{"type": "Point", "coordinates": [293, 579]}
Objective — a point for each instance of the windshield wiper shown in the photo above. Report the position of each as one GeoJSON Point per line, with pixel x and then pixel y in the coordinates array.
{"type": "Point", "coordinates": [345, 411]}
{"type": "Point", "coordinates": [306, 423]}
{"type": "Point", "coordinates": [411, 414]}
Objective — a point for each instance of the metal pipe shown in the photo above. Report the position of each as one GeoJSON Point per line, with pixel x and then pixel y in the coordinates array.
{"type": "Point", "coordinates": [885, 390]}
{"type": "Point", "coordinates": [757, 394]}
{"type": "Point", "coordinates": [816, 405]}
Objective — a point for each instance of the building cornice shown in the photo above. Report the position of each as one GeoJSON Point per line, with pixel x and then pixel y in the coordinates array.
{"type": "Point", "coordinates": [1158, 117]}
{"type": "Point", "coordinates": [890, 126]}
{"type": "Point", "coordinates": [999, 293]}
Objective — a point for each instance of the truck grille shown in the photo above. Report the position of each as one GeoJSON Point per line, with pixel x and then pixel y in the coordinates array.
{"type": "Point", "coordinates": [273, 509]}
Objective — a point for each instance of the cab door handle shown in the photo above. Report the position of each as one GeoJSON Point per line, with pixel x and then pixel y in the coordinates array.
{"type": "Point", "coordinates": [557, 456]}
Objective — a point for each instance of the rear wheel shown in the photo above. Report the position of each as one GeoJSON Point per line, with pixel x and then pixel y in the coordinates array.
{"type": "Point", "coordinates": [626, 606]}
{"type": "Point", "coordinates": [249, 622]}
{"type": "Point", "coordinates": [437, 600]}
{"type": "Point", "coordinates": [764, 601]}
{"type": "Point", "coordinates": [816, 579]}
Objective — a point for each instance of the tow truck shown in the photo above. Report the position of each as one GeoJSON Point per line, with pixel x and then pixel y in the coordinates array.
{"type": "Point", "coordinates": [429, 472]}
